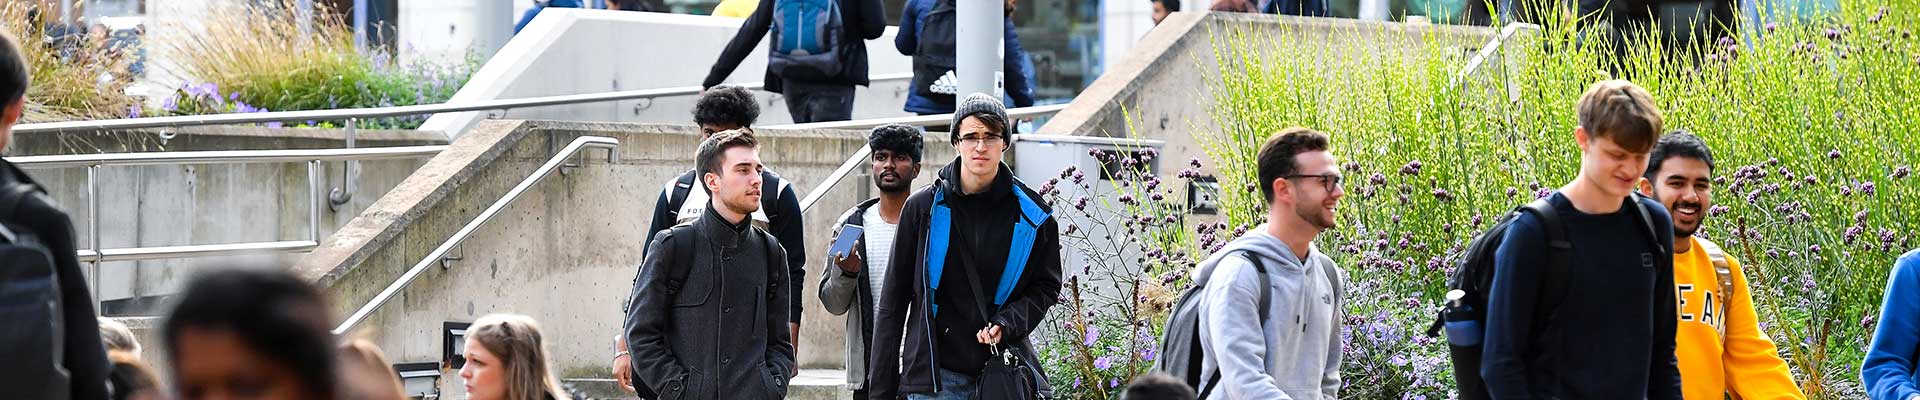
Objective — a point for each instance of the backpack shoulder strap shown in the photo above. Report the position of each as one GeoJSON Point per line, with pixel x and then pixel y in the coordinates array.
{"type": "Point", "coordinates": [678, 191]}
{"type": "Point", "coordinates": [10, 198]}
{"type": "Point", "coordinates": [1266, 303]}
{"type": "Point", "coordinates": [1266, 283]}
{"type": "Point", "coordinates": [683, 252]}
{"type": "Point", "coordinates": [1724, 271]}
{"type": "Point", "coordinates": [12, 195]}
{"type": "Point", "coordinates": [1559, 259]}
{"type": "Point", "coordinates": [1646, 224]}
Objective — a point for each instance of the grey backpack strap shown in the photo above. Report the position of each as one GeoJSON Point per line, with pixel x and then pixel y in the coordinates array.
{"type": "Point", "coordinates": [1724, 272]}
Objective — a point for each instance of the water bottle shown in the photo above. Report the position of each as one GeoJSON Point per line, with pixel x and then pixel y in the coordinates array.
{"type": "Point", "coordinates": [1462, 321]}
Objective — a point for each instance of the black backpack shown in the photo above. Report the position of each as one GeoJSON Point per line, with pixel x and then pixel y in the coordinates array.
{"type": "Point", "coordinates": [1180, 353]}
{"type": "Point", "coordinates": [1474, 277]}
{"type": "Point", "coordinates": [677, 277]}
{"type": "Point", "coordinates": [33, 338]}
{"type": "Point", "coordinates": [935, 56]}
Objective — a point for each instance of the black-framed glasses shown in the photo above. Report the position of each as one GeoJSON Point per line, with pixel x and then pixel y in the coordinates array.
{"type": "Point", "coordinates": [1333, 180]}
{"type": "Point", "coordinates": [979, 140]}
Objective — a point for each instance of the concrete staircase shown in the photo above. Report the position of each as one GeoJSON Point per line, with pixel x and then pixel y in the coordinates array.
{"type": "Point", "coordinates": [812, 384]}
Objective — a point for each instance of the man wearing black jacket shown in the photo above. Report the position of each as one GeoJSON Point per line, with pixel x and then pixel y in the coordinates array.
{"type": "Point", "coordinates": [707, 314]}
{"type": "Point", "coordinates": [975, 224]}
{"type": "Point", "coordinates": [810, 98]}
{"type": "Point", "coordinates": [84, 366]}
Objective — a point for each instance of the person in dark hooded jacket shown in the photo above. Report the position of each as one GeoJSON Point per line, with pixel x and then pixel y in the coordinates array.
{"type": "Point", "coordinates": [1009, 243]}
{"type": "Point", "coordinates": [84, 358]}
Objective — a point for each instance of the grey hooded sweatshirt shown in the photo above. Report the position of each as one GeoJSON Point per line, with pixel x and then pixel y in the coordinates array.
{"type": "Point", "coordinates": [1294, 352]}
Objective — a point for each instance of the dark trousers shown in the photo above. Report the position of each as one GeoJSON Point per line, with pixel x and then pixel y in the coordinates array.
{"type": "Point", "coordinates": [818, 102]}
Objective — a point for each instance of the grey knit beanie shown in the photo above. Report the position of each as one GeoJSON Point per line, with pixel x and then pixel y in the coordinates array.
{"type": "Point", "coordinates": [980, 103]}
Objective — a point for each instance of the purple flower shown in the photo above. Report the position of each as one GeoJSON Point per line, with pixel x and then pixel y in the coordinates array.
{"type": "Point", "coordinates": [1900, 172]}
{"type": "Point", "coordinates": [1726, 41]}
{"type": "Point", "coordinates": [1833, 34]}
{"type": "Point", "coordinates": [1412, 168]}
{"type": "Point", "coordinates": [1352, 166]}
{"type": "Point", "coordinates": [1397, 361]}
{"type": "Point", "coordinates": [1157, 197]}
{"type": "Point", "coordinates": [1770, 27]}
{"type": "Point", "coordinates": [1773, 253]}
{"type": "Point", "coordinates": [1147, 354]}
{"type": "Point", "coordinates": [1512, 191]}
{"type": "Point", "coordinates": [1542, 193]}
{"type": "Point", "coordinates": [1126, 198]}
{"type": "Point", "coordinates": [1079, 176]}
{"type": "Point", "coordinates": [1093, 336]}
{"type": "Point", "coordinates": [1103, 363]}
{"type": "Point", "coordinates": [1717, 210]}
{"type": "Point", "coordinates": [1080, 203]}
{"type": "Point", "coordinates": [133, 110]}
{"type": "Point", "coordinates": [1070, 229]}
{"type": "Point", "coordinates": [1477, 219]}
{"type": "Point", "coordinates": [1377, 179]}
{"type": "Point", "coordinates": [172, 103]}
{"type": "Point", "coordinates": [1149, 154]}
{"type": "Point", "coordinates": [1854, 232]}
{"type": "Point", "coordinates": [1194, 162]}
{"type": "Point", "coordinates": [1113, 383]}
{"type": "Point", "coordinates": [1046, 188]}
{"type": "Point", "coordinates": [1442, 195]}
{"type": "Point", "coordinates": [1860, 217]}
{"type": "Point", "coordinates": [1834, 154]}
{"type": "Point", "coordinates": [1866, 188]}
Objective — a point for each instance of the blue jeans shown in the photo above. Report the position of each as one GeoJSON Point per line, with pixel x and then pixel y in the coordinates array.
{"type": "Point", "coordinates": [953, 386]}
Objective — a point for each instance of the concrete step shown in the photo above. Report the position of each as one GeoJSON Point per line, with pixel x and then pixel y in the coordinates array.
{"type": "Point", "coordinates": [812, 384]}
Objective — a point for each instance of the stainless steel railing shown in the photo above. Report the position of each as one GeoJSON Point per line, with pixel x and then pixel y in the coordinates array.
{"type": "Point", "coordinates": [439, 254]}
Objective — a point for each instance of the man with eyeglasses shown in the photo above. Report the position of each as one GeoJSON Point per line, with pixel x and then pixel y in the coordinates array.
{"type": "Point", "coordinates": [1275, 275]}
{"type": "Point", "coordinates": [975, 266]}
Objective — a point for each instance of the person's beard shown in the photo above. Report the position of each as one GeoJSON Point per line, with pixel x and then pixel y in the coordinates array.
{"type": "Point", "coordinates": [899, 184]}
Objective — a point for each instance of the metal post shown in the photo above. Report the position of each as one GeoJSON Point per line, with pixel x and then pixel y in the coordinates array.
{"type": "Point", "coordinates": [360, 25]}
{"type": "Point", "coordinates": [303, 12]}
{"type": "Point", "coordinates": [93, 230]}
{"type": "Point", "coordinates": [313, 200]}
{"type": "Point", "coordinates": [343, 194]}
{"type": "Point", "coordinates": [979, 31]}
{"type": "Point", "coordinates": [66, 17]}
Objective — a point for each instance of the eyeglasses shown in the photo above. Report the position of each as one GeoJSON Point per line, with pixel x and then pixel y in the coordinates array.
{"type": "Point", "coordinates": [978, 141]}
{"type": "Point", "coordinates": [1332, 180]}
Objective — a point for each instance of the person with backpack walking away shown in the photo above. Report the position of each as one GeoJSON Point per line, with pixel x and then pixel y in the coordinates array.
{"type": "Point", "coordinates": [705, 317]}
{"type": "Point", "coordinates": [976, 232]}
{"type": "Point", "coordinates": [683, 200]}
{"type": "Point", "coordinates": [1612, 335]}
{"type": "Point", "coordinates": [1274, 275]}
{"type": "Point", "coordinates": [817, 53]}
{"type": "Point", "coordinates": [927, 34]}
{"type": "Point", "coordinates": [1889, 369]}
{"type": "Point", "coordinates": [849, 287]}
{"type": "Point", "coordinates": [52, 347]}
{"type": "Point", "coordinates": [1720, 346]}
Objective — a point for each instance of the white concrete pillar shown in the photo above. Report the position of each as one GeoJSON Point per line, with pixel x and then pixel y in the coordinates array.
{"type": "Point", "coordinates": [980, 28]}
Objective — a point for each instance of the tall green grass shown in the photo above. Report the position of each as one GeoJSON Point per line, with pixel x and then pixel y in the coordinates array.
{"type": "Point", "coordinates": [1433, 160]}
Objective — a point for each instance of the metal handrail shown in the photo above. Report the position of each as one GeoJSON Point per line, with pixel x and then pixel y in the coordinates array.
{"type": "Point", "coordinates": [378, 112]}
{"type": "Point", "coordinates": [439, 253]}
{"type": "Point", "coordinates": [223, 157]}
{"type": "Point", "coordinates": [92, 162]}
{"type": "Point", "coordinates": [1493, 47]}
{"type": "Point", "coordinates": [853, 161]}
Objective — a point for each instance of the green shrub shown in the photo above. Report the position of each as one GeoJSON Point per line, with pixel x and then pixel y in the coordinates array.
{"type": "Point", "coordinates": [277, 68]}
{"type": "Point", "coordinates": [1812, 127]}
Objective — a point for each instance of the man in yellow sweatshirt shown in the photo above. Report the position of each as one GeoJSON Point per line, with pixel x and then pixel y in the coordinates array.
{"type": "Point", "coordinates": [1721, 349]}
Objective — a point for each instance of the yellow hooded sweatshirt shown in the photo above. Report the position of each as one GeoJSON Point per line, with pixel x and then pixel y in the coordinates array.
{"type": "Point", "coordinates": [1745, 363]}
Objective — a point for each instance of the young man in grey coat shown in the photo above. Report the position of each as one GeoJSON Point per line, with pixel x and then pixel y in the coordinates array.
{"type": "Point", "coordinates": [1294, 351]}
{"type": "Point", "coordinates": [850, 286]}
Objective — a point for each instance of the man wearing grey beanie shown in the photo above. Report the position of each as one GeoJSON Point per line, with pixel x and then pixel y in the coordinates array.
{"type": "Point", "coordinates": [975, 266]}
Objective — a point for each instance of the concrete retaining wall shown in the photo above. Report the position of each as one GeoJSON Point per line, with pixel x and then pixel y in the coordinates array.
{"type": "Point", "coordinates": [566, 252]}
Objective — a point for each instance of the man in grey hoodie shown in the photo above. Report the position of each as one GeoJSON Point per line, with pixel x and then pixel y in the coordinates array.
{"type": "Point", "coordinates": [1294, 351]}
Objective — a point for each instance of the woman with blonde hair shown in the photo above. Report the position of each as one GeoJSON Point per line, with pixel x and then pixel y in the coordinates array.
{"type": "Point", "coordinates": [507, 360]}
